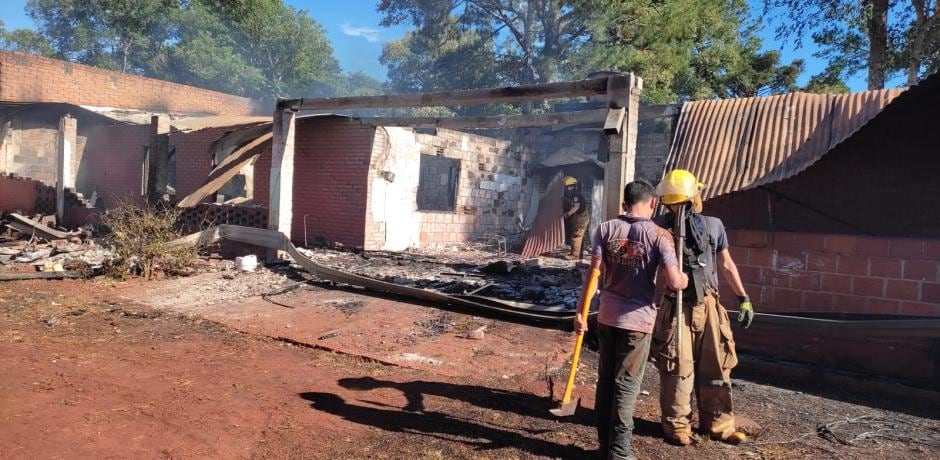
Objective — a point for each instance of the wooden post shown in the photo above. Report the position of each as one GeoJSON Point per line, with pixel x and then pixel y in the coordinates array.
{"type": "Point", "coordinates": [282, 171]}
{"type": "Point", "coordinates": [65, 177]}
{"type": "Point", "coordinates": [623, 92]}
{"type": "Point", "coordinates": [158, 158]}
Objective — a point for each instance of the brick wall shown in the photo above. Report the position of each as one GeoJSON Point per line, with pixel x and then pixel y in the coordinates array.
{"type": "Point", "coordinates": [794, 272]}
{"type": "Point", "coordinates": [28, 78]}
{"type": "Point", "coordinates": [115, 156]}
{"type": "Point", "coordinates": [194, 156]}
{"type": "Point", "coordinates": [18, 194]}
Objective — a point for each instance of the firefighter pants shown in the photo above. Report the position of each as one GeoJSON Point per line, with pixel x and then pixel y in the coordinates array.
{"type": "Point", "coordinates": [623, 356]}
{"type": "Point", "coordinates": [575, 227]}
{"type": "Point", "coordinates": [703, 365]}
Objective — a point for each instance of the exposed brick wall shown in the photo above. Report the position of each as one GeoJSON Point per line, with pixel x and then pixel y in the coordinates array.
{"type": "Point", "coordinates": [18, 194]}
{"type": "Point", "coordinates": [28, 78]}
{"type": "Point", "coordinates": [194, 156]}
{"type": "Point", "coordinates": [115, 156]}
{"type": "Point", "coordinates": [331, 167]}
{"type": "Point", "coordinates": [793, 272]}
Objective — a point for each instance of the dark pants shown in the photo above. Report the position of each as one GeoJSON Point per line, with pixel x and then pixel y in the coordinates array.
{"type": "Point", "coordinates": [623, 356]}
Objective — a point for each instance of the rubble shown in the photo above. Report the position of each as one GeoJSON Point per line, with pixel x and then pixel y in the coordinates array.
{"type": "Point", "coordinates": [463, 270]}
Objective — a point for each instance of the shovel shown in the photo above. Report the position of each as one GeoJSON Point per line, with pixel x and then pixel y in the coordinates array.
{"type": "Point", "coordinates": [569, 406]}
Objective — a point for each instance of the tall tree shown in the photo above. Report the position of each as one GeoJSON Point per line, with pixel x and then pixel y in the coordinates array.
{"type": "Point", "coordinates": [685, 49]}
{"type": "Point", "coordinates": [884, 38]}
{"type": "Point", "coordinates": [114, 34]}
{"type": "Point", "coordinates": [530, 40]}
{"type": "Point", "coordinates": [26, 41]}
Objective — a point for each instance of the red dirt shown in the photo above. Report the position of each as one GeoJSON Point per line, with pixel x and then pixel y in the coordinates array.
{"type": "Point", "coordinates": [89, 375]}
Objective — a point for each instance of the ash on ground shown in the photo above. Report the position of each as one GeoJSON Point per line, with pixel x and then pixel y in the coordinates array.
{"type": "Point", "coordinates": [462, 270]}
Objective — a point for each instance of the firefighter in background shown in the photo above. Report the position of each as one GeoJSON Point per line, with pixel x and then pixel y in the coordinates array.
{"type": "Point", "coordinates": [577, 217]}
{"type": "Point", "coordinates": [704, 363]}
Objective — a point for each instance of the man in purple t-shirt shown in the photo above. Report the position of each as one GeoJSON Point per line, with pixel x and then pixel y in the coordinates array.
{"type": "Point", "coordinates": [632, 250]}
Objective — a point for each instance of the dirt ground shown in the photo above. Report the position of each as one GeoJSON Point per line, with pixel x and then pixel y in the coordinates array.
{"type": "Point", "coordinates": [92, 370]}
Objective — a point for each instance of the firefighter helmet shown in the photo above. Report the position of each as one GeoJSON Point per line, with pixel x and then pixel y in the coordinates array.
{"type": "Point", "coordinates": [678, 186]}
{"type": "Point", "coordinates": [569, 181]}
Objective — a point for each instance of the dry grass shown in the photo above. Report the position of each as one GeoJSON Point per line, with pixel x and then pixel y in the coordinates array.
{"type": "Point", "coordinates": [139, 236]}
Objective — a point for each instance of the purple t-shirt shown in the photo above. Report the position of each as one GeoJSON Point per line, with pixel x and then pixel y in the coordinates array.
{"type": "Point", "coordinates": [633, 249]}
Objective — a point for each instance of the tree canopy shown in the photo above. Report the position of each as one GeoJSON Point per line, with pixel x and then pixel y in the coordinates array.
{"type": "Point", "coordinates": [256, 48]}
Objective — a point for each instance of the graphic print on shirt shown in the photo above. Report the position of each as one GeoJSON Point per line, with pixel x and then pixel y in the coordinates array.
{"type": "Point", "coordinates": [626, 252]}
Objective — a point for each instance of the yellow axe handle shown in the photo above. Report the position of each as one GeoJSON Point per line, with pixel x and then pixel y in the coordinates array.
{"type": "Point", "coordinates": [583, 309]}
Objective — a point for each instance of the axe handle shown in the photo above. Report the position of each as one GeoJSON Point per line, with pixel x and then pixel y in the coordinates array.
{"type": "Point", "coordinates": [680, 252]}
{"type": "Point", "coordinates": [590, 286]}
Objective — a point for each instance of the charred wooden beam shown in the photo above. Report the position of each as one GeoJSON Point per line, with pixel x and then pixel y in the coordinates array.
{"type": "Point", "coordinates": [509, 94]}
{"type": "Point", "coordinates": [584, 117]}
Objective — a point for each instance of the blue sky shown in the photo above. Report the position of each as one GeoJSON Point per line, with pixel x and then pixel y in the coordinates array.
{"type": "Point", "coordinates": [353, 27]}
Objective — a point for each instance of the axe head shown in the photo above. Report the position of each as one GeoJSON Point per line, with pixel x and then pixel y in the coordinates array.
{"type": "Point", "coordinates": [566, 409]}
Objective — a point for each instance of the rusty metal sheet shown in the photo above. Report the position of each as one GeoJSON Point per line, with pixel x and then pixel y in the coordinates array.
{"type": "Point", "coordinates": [738, 144]}
{"type": "Point", "coordinates": [548, 230]}
{"type": "Point", "coordinates": [553, 318]}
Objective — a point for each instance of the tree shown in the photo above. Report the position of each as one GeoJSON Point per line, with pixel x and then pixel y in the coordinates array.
{"type": "Point", "coordinates": [113, 34]}
{"type": "Point", "coordinates": [256, 48]}
{"type": "Point", "coordinates": [529, 41]}
{"type": "Point", "coordinates": [684, 49]}
{"type": "Point", "coordinates": [25, 40]}
{"type": "Point", "coordinates": [881, 37]}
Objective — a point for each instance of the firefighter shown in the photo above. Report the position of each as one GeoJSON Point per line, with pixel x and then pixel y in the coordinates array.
{"type": "Point", "coordinates": [707, 354]}
{"type": "Point", "coordinates": [577, 216]}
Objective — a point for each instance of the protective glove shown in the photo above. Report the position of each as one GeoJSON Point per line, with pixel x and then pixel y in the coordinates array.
{"type": "Point", "coordinates": [745, 312]}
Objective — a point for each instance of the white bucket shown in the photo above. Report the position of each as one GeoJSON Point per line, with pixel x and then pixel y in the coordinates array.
{"type": "Point", "coordinates": [247, 263]}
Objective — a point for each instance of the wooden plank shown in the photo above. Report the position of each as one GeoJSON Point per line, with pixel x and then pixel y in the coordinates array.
{"type": "Point", "coordinates": [583, 117]}
{"type": "Point", "coordinates": [614, 120]}
{"type": "Point", "coordinates": [28, 226]}
{"type": "Point", "coordinates": [224, 172]}
{"type": "Point", "coordinates": [623, 92]}
{"type": "Point", "coordinates": [39, 275]}
{"type": "Point", "coordinates": [538, 92]}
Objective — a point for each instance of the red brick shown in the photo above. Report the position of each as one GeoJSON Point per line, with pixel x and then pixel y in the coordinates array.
{"type": "Point", "coordinates": [904, 290]}
{"type": "Point", "coordinates": [849, 303]}
{"type": "Point", "coordinates": [788, 299]}
{"type": "Point", "coordinates": [775, 278]}
{"type": "Point", "coordinates": [807, 281]}
{"type": "Point", "coordinates": [920, 309]}
{"type": "Point", "coordinates": [906, 248]}
{"type": "Point", "coordinates": [885, 267]}
{"type": "Point", "coordinates": [809, 242]}
{"type": "Point", "coordinates": [882, 306]}
{"type": "Point", "coordinates": [840, 244]}
{"type": "Point", "coordinates": [853, 265]}
{"type": "Point", "coordinates": [922, 270]}
{"type": "Point", "coordinates": [932, 249]}
{"type": "Point", "coordinates": [930, 292]}
{"type": "Point", "coordinates": [762, 257]}
{"type": "Point", "coordinates": [822, 262]}
{"type": "Point", "coordinates": [817, 301]}
{"type": "Point", "coordinates": [837, 284]}
{"type": "Point", "coordinates": [871, 246]}
{"type": "Point", "coordinates": [750, 274]}
{"type": "Point", "coordinates": [782, 241]}
{"type": "Point", "coordinates": [866, 286]}
{"type": "Point", "coordinates": [749, 239]}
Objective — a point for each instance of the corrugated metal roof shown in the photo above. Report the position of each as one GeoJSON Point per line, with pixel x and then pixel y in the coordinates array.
{"type": "Point", "coordinates": [548, 230]}
{"type": "Point", "coordinates": [737, 144]}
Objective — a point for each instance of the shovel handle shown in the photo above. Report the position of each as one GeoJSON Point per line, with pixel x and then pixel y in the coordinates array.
{"type": "Point", "coordinates": [590, 286]}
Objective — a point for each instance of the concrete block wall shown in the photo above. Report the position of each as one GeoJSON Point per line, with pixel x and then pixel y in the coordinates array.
{"type": "Point", "coordinates": [491, 191]}
{"type": "Point", "coordinates": [29, 78]}
{"type": "Point", "coordinates": [793, 272]}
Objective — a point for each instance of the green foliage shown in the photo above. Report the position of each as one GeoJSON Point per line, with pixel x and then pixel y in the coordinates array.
{"type": "Point", "coordinates": [827, 83]}
{"type": "Point", "coordinates": [256, 48]}
{"type": "Point", "coordinates": [25, 41]}
{"type": "Point", "coordinates": [841, 28]}
{"type": "Point", "coordinates": [685, 49]}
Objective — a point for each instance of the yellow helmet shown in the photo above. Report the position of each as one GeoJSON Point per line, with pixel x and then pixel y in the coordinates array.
{"type": "Point", "coordinates": [678, 186]}
{"type": "Point", "coordinates": [570, 181]}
